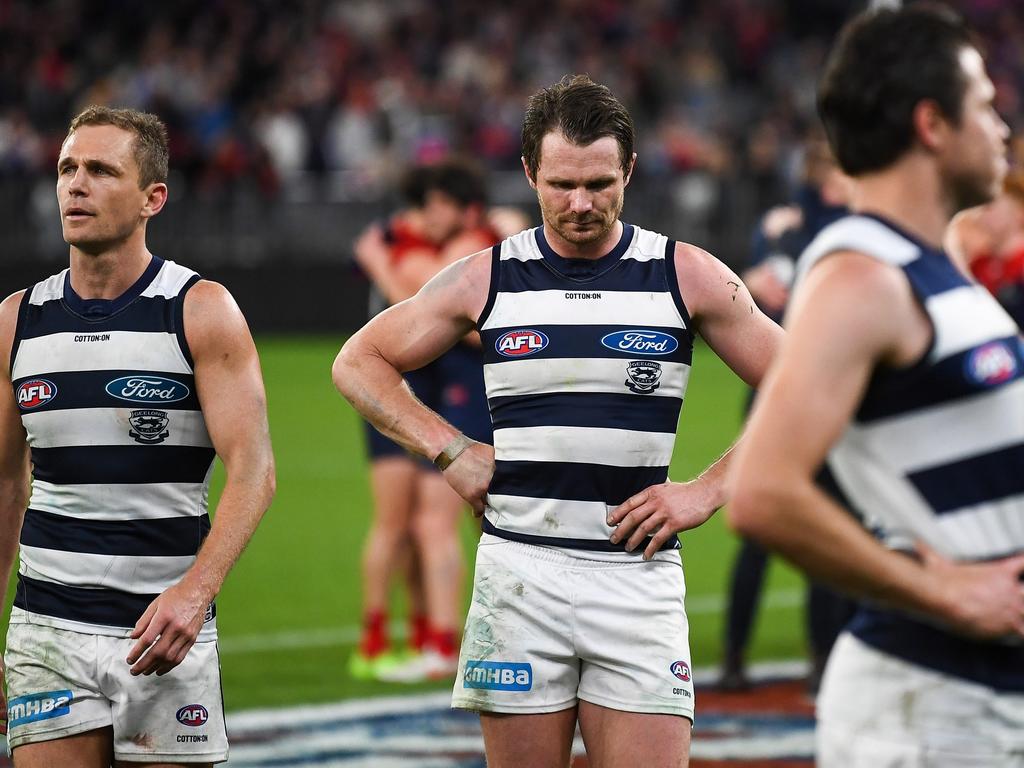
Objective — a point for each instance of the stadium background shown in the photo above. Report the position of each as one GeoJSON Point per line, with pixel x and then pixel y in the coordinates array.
{"type": "Point", "coordinates": [290, 122]}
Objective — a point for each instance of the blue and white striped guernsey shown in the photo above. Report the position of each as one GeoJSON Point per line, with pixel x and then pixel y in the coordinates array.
{"type": "Point", "coordinates": [586, 364]}
{"type": "Point", "coordinates": [121, 457]}
{"type": "Point", "coordinates": [935, 452]}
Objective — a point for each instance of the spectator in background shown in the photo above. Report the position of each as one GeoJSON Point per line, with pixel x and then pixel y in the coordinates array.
{"type": "Point", "coordinates": [447, 220]}
{"type": "Point", "coordinates": [988, 241]}
{"type": "Point", "coordinates": [782, 235]}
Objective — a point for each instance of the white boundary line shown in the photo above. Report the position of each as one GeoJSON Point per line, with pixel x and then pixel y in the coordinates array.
{"type": "Point", "coordinates": [307, 735]}
{"type": "Point", "coordinates": [357, 709]}
{"type": "Point", "coordinates": [327, 637]}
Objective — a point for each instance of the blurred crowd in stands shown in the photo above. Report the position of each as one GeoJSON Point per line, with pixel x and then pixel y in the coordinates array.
{"type": "Point", "coordinates": [271, 95]}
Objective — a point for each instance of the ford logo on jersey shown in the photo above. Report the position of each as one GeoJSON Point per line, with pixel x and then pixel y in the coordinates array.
{"type": "Point", "coordinates": [992, 363]}
{"type": "Point", "coordinates": [193, 715]}
{"type": "Point", "coordinates": [143, 388]}
{"type": "Point", "coordinates": [521, 343]}
{"type": "Point", "coordinates": [638, 342]}
{"type": "Point", "coordinates": [36, 392]}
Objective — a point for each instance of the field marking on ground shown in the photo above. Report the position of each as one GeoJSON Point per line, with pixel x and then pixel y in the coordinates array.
{"type": "Point", "coordinates": [342, 733]}
{"type": "Point", "coordinates": [352, 709]}
{"type": "Point", "coordinates": [327, 637]}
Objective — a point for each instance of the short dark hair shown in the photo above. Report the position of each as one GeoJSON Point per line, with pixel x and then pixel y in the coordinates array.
{"type": "Point", "coordinates": [150, 145]}
{"type": "Point", "coordinates": [412, 185]}
{"type": "Point", "coordinates": [460, 179]}
{"type": "Point", "coordinates": [884, 63]}
{"type": "Point", "coordinates": [583, 111]}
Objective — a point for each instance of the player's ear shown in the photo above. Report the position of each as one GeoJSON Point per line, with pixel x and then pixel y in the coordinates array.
{"type": "Point", "coordinates": [629, 171]}
{"type": "Point", "coordinates": [930, 124]}
{"type": "Point", "coordinates": [526, 170]}
{"type": "Point", "coordinates": [156, 196]}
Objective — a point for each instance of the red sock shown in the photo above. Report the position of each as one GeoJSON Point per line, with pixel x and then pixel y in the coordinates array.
{"type": "Point", "coordinates": [444, 641]}
{"type": "Point", "coordinates": [419, 632]}
{"type": "Point", "coordinates": [375, 633]}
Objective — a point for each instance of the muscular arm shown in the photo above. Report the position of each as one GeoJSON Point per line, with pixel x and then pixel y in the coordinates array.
{"type": "Point", "coordinates": [726, 316]}
{"type": "Point", "coordinates": [407, 336]}
{"type": "Point", "coordinates": [805, 405]}
{"type": "Point", "coordinates": [417, 269]}
{"type": "Point", "coordinates": [14, 464]}
{"type": "Point", "coordinates": [396, 281]}
{"type": "Point", "coordinates": [230, 389]}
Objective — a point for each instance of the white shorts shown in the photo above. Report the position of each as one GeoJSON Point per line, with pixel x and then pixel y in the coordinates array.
{"type": "Point", "coordinates": [878, 711]}
{"type": "Point", "coordinates": [60, 683]}
{"type": "Point", "coordinates": [547, 629]}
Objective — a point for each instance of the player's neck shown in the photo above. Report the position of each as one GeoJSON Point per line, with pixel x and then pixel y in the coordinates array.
{"type": "Point", "coordinates": [108, 274]}
{"type": "Point", "coordinates": [910, 194]}
{"type": "Point", "coordinates": [595, 250]}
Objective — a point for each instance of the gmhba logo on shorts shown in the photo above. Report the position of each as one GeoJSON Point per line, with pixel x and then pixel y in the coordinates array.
{"type": "Point", "coordinates": [498, 675]}
{"type": "Point", "coordinates": [38, 706]}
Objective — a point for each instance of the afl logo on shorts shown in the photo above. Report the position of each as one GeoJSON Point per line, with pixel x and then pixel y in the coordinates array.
{"type": "Point", "coordinates": [991, 364]}
{"type": "Point", "coordinates": [193, 715]}
{"type": "Point", "coordinates": [681, 670]}
{"type": "Point", "coordinates": [32, 394]}
{"type": "Point", "coordinates": [521, 343]}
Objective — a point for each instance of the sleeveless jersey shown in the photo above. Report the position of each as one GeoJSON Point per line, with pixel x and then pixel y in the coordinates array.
{"type": "Point", "coordinates": [121, 457]}
{"type": "Point", "coordinates": [585, 364]}
{"type": "Point", "coordinates": [935, 451]}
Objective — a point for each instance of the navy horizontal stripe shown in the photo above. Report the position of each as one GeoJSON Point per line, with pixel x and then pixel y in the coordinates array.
{"type": "Point", "coordinates": [162, 537]}
{"type": "Point", "coordinates": [587, 409]}
{"type": "Point", "coordinates": [893, 392]}
{"type": "Point", "coordinates": [988, 477]}
{"type": "Point", "coordinates": [109, 607]}
{"type": "Point", "coordinates": [623, 275]}
{"type": "Point", "coordinates": [88, 389]}
{"type": "Point", "coordinates": [573, 482]}
{"type": "Point", "coordinates": [584, 341]}
{"type": "Point", "coordinates": [592, 545]}
{"type": "Point", "coordinates": [152, 314]}
{"type": "Point", "coordinates": [108, 464]}
{"type": "Point", "coordinates": [996, 665]}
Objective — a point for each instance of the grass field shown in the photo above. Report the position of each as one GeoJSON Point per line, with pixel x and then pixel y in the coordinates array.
{"type": "Point", "coordinates": [289, 611]}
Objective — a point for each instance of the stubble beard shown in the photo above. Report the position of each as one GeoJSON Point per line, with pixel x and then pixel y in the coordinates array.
{"type": "Point", "coordinates": [563, 224]}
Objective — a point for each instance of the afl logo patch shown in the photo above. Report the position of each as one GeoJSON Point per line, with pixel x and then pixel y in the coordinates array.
{"type": "Point", "coordinates": [142, 388]}
{"type": "Point", "coordinates": [639, 342]}
{"type": "Point", "coordinates": [520, 343]}
{"type": "Point", "coordinates": [681, 670]}
{"type": "Point", "coordinates": [991, 364]}
{"type": "Point", "coordinates": [643, 376]}
{"type": "Point", "coordinates": [192, 715]}
{"type": "Point", "coordinates": [36, 392]}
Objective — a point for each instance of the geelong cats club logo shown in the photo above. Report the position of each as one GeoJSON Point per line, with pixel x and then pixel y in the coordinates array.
{"type": "Point", "coordinates": [148, 427]}
{"type": "Point", "coordinates": [643, 376]}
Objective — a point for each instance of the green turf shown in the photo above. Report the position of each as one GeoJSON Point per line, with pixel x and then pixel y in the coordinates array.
{"type": "Point", "coordinates": [300, 574]}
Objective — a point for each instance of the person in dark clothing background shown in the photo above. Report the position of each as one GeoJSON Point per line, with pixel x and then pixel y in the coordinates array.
{"type": "Point", "coordinates": [781, 236]}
